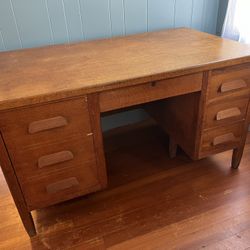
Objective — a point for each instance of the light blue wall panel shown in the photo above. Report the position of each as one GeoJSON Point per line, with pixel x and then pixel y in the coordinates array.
{"type": "Point", "coordinates": [57, 18]}
{"type": "Point", "coordinates": [8, 26]}
{"type": "Point", "coordinates": [74, 20]}
{"type": "Point", "coordinates": [96, 18]}
{"type": "Point", "coordinates": [30, 23]}
{"type": "Point", "coordinates": [2, 45]}
{"type": "Point", "coordinates": [221, 15]}
{"type": "Point", "coordinates": [33, 22]}
{"type": "Point", "coordinates": [135, 16]}
{"type": "Point", "coordinates": [198, 13]}
{"type": "Point", "coordinates": [117, 17]}
{"type": "Point", "coordinates": [160, 14]}
{"type": "Point", "coordinates": [211, 15]}
{"type": "Point", "coordinates": [183, 13]}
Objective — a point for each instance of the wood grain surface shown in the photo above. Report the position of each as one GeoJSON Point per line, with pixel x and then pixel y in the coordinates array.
{"type": "Point", "coordinates": [152, 202]}
{"type": "Point", "coordinates": [54, 72]}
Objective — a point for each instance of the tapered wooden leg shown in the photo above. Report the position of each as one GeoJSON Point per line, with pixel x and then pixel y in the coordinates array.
{"type": "Point", "coordinates": [15, 190]}
{"type": "Point", "coordinates": [236, 158]}
{"type": "Point", "coordinates": [172, 148]}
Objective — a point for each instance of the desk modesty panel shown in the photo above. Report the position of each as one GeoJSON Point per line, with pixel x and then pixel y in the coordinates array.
{"type": "Point", "coordinates": [196, 86]}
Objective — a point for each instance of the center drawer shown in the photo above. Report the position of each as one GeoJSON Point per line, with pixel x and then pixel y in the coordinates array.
{"type": "Point", "coordinates": [134, 95]}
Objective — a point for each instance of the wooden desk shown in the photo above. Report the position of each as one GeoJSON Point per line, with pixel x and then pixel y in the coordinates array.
{"type": "Point", "coordinates": [195, 85]}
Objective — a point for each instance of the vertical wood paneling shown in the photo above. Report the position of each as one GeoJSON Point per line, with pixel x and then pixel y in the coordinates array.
{"type": "Point", "coordinates": [117, 17]}
{"type": "Point", "coordinates": [160, 14]}
{"type": "Point", "coordinates": [8, 27]}
{"type": "Point", "coordinates": [57, 18]}
{"type": "Point", "coordinates": [96, 18]}
{"type": "Point", "coordinates": [33, 22]}
{"type": "Point", "coordinates": [183, 13]}
{"type": "Point", "coordinates": [30, 23]}
{"type": "Point", "coordinates": [211, 8]}
{"type": "Point", "coordinates": [135, 16]}
{"type": "Point", "coordinates": [197, 18]}
{"type": "Point", "coordinates": [2, 45]}
{"type": "Point", "coordinates": [74, 20]}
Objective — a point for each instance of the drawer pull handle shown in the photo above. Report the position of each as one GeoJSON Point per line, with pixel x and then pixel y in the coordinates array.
{"type": "Point", "coordinates": [223, 139]}
{"type": "Point", "coordinates": [228, 113]}
{"type": "Point", "coordinates": [56, 158]}
{"type": "Point", "coordinates": [47, 124]}
{"type": "Point", "coordinates": [233, 85]}
{"type": "Point", "coordinates": [62, 185]}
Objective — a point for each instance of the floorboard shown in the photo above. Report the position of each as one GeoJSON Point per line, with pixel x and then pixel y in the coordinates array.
{"type": "Point", "coordinates": [153, 202]}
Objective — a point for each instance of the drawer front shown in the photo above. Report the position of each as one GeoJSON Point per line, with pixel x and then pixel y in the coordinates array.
{"type": "Point", "coordinates": [40, 192]}
{"type": "Point", "coordinates": [221, 139]}
{"type": "Point", "coordinates": [39, 125]}
{"type": "Point", "coordinates": [55, 157]}
{"type": "Point", "coordinates": [125, 97]}
{"type": "Point", "coordinates": [226, 112]}
{"type": "Point", "coordinates": [52, 148]}
{"type": "Point", "coordinates": [233, 81]}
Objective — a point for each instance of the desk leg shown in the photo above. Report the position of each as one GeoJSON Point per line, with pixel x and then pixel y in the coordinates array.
{"type": "Point", "coordinates": [236, 158]}
{"type": "Point", "coordinates": [172, 148]}
{"type": "Point", "coordinates": [238, 152]}
{"type": "Point", "coordinates": [15, 190]}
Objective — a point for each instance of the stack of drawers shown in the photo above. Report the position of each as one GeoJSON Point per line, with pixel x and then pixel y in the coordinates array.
{"type": "Point", "coordinates": [52, 151]}
{"type": "Point", "coordinates": [225, 118]}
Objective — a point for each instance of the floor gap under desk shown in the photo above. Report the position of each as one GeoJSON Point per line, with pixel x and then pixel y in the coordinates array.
{"type": "Point", "coordinates": [151, 200]}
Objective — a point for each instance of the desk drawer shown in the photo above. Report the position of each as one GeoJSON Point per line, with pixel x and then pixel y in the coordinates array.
{"type": "Point", "coordinates": [40, 192]}
{"type": "Point", "coordinates": [226, 112]}
{"type": "Point", "coordinates": [221, 139]}
{"type": "Point", "coordinates": [125, 97]}
{"type": "Point", "coordinates": [52, 147]}
{"type": "Point", "coordinates": [54, 157]}
{"type": "Point", "coordinates": [229, 82]}
{"type": "Point", "coordinates": [40, 125]}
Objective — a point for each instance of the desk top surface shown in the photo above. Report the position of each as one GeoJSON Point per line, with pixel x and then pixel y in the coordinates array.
{"type": "Point", "coordinates": [49, 73]}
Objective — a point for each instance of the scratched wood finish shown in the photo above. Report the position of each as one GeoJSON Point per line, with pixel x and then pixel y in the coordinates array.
{"type": "Point", "coordinates": [152, 201]}
{"type": "Point", "coordinates": [68, 70]}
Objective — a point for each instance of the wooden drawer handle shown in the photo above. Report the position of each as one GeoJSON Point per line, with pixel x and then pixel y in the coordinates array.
{"type": "Point", "coordinates": [47, 124]}
{"type": "Point", "coordinates": [228, 113]}
{"type": "Point", "coordinates": [56, 158]}
{"type": "Point", "coordinates": [223, 139]}
{"type": "Point", "coordinates": [62, 185]}
{"type": "Point", "coordinates": [233, 85]}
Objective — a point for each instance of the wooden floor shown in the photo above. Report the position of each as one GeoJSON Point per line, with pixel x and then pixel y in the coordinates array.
{"type": "Point", "coordinates": [152, 203]}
